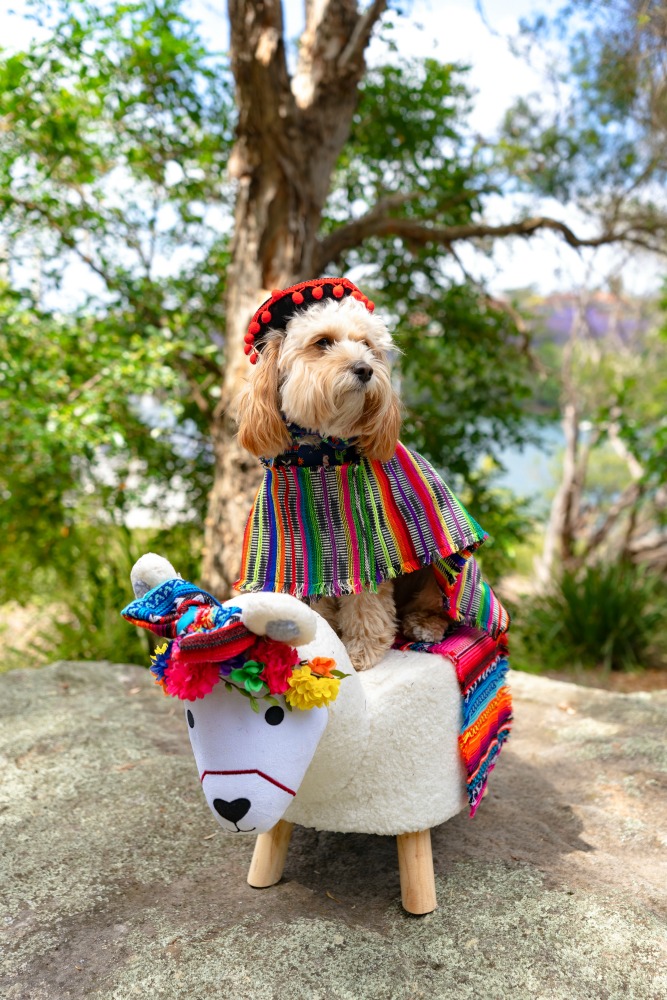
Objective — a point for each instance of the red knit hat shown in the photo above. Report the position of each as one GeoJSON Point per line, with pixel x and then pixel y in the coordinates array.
{"type": "Point", "coordinates": [277, 311]}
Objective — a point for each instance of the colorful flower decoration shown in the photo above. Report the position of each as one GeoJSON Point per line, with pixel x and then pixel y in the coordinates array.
{"type": "Point", "coordinates": [159, 664]}
{"type": "Point", "coordinates": [307, 690]}
{"type": "Point", "coordinates": [279, 661]}
{"type": "Point", "coordinates": [248, 676]}
{"type": "Point", "coordinates": [323, 666]}
{"type": "Point", "coordinates": [209, 643]}
{"type": "Point", "coordinates": [189, 681]}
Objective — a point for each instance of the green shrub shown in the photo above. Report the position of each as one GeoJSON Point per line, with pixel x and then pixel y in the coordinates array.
{"type": "Point", "coordinates": [613, 616]}
{"type": "Point", "coordinates": [74, 603]}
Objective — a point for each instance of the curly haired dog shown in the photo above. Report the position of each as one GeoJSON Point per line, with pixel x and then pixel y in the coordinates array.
{"type": "Point", "coordinates": [328, 370]}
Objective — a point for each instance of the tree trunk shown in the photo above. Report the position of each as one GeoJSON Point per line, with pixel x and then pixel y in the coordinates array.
{"type": "Point", "coordinates": [289, 136]}
{"type": "Point", "coordinates": [559, 539]}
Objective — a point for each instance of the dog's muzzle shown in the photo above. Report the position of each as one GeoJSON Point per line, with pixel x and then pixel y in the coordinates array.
{"type": "Point", "coordinates": [363, 371]}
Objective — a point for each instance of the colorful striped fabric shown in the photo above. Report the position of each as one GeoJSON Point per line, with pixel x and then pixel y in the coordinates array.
{"type": "Point", "coordinates": [343, 528]}
{"type": "Point", "coordinates": [170, 611]}
{"type": "Point", "coordinates": [481, 665]}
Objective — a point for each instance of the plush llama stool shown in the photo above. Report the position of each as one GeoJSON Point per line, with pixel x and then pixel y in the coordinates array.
{"type": "Point", "coordinates": [381, 756]}
{"type": "Point", "coordinates": [388, 762]}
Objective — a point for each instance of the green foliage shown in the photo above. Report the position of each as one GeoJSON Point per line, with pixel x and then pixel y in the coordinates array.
{"type": "Point", "coordinates": [116, 130]}
{"type": "Point", "coordinates": [409, 134]}
{"type": "Point", "coordinates": [602, 139]}
{"type": "Point", "coordinates": [465, 375]}
{"type": "Point", "coordinates": [73, 443]}
{"type": "Point", "coordinates": [614, 616]}
{"type": "Point", "coordinates": [76, 597]}
{"type": "Point", "coordinates": [637, 407]}
{"type": "Point", "coordinates": [116, 133]}
{"type": "Point", "coordinates": [505, 517]}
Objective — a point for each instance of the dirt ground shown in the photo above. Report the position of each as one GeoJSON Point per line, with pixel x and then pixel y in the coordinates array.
{"type": "Point", "coordinates": [118, 883]}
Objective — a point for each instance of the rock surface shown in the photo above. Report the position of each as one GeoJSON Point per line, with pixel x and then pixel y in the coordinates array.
{"type": "Point", "coordinates": [119, 884]}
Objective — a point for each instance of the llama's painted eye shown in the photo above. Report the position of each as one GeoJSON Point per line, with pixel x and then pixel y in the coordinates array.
{"type": "Point", "coordinates": [191, 719]}
{"type": "Point", "coordinates": [323, 342]}
{"type": "Point", "coordinates": [274, 715]}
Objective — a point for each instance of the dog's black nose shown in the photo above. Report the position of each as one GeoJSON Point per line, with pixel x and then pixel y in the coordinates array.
{"type": "Point", "coordinates": [363, 371]}
{"type": "Point", "coordinates": [233, 811]}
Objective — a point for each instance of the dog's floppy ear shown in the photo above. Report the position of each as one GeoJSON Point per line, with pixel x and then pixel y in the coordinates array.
{"type": "Point", "coordinates": [379, 440]}
{"type": "Point", "coordinates": [262, 430]}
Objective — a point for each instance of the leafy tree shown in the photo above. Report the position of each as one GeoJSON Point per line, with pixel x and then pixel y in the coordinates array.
{"type": "Point", "coordinates": [183, 184]}
{"type": "Point", "coordinates": [601, 146]}
{"type": "Point", "coordinates": [600, 143]}
{"type": "Point", "coordinates": [613, 383]}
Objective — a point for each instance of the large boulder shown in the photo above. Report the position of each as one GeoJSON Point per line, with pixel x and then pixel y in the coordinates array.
{"type": "Point", "coordinates": [119, 883]}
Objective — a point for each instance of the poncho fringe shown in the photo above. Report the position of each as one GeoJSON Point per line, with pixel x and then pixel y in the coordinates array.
{"type": "Point", "coordinates": [337, 529]}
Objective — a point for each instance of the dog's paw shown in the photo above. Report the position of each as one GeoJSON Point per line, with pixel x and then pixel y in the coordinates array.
{"type": "Point", "coordinates": [361, 657]}
{"type": "Point", "coordinates": [423, 626]}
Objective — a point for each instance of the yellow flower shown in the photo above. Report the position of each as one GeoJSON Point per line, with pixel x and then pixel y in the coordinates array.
{"type": "Point", "coordinates": [308, 691]}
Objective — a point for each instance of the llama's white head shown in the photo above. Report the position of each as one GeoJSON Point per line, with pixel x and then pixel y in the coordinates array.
{"type": "Point", "coordinates": [251, 763]}
{"type": "Point", "coordinates": [255, 708]}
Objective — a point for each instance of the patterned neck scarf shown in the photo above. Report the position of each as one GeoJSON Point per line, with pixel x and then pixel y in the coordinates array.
{"type": "Point", "coordinates": [310, 449]}
{"type": "Point", "coordinates": [327, 521]}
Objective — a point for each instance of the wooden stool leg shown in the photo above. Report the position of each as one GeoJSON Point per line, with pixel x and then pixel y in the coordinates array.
{"type": "Point", "coordinates": [268, 860]}
{"type": "Point", "coordinates": [415, 866]}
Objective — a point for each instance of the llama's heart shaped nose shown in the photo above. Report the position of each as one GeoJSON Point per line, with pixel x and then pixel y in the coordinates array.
{"type": "Point", "coordinates": [234, 810]}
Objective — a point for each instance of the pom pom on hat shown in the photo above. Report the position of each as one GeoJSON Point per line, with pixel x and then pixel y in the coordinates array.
{"type": "Point", "coordinates": [285, 303]}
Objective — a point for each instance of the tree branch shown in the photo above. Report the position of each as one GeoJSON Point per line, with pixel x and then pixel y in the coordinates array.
{"type": "Point", "coordinates": [628, 498]}
{"type": "Point", "coordinates": [332, 47]}
{"type": "Point", "coordinates": [373, 223]}
{"type": "Point", "coordinates": [360, 37]}
{"type": "Point", "coordinates": [263, 94]}
{"type": "Point", "coordinates": [68, 240]}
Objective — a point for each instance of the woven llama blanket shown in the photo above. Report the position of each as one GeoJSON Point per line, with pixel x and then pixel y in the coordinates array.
{"type": "Point", "coordinates": [481, 665]}
{"type": "Point", "coordinates": [326, 521]}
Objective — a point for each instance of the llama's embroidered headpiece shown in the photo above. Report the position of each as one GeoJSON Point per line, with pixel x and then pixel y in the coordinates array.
{"type": "Point", "coordinates": [284, 303]}
{"type": "Point", "coordinates": [209, 643]}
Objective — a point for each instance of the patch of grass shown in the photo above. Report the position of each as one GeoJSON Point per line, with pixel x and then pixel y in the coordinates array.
{"type": "Point", "coordinates": [612, 616]}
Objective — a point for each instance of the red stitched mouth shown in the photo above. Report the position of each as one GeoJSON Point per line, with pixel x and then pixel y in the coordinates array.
{"type": "Point", "coordinates": [253, 770]}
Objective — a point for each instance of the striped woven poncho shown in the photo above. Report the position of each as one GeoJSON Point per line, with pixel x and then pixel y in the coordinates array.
{"type": "Point", "coordinates": [327, 521]}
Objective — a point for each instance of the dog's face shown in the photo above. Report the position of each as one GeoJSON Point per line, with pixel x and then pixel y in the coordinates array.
{"type": "Point", "coordinates": [329, 372]}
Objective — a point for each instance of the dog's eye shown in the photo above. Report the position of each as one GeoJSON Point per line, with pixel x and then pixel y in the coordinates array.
{"type": "Point", "coordinates": [323, 342]}
{"type": "Point", "coordinates": [191, 719]}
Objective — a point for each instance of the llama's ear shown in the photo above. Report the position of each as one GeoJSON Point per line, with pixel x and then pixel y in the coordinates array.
{"type": "Point", "coordinates": [262, 430]}
{"type": "Point", "coordinates": [149, 571]}
{"type": "Point", "coordinates": [280, 617]}
{"type": "Point", "coordinates": [381, 438]}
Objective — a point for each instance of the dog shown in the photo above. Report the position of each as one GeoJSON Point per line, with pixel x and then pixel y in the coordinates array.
{"type": "Point", "coordinates": [329, 371]}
